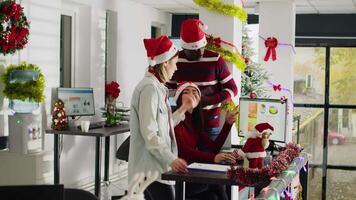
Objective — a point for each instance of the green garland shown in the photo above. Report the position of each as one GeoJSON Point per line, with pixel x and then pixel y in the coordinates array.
{"type": "Point", "coordinates": [233, 58]}
{"type": "Point", "coordinates": [223, 8]}
{"type": "Point", "coordinates": [30, 90]}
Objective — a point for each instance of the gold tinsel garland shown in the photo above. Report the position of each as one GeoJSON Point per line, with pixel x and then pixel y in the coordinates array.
{"type": "Point", "coordinates": [230, 106]}
{"type": "Point", "coordinates": [234, 58]}
{"type": "Point", "coordinates": [223, 8]}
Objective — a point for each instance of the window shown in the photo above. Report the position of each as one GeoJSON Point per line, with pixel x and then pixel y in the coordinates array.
{"type": "Point", "coordinates": [316, 100]}
{"type": "Point", "coordinates": [66, 51]}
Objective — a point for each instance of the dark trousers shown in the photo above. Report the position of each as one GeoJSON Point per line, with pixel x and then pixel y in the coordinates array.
{"type": "Point", "coordinates": [195, 191]}
{"type": "Point", "coordinates": [159, 191]}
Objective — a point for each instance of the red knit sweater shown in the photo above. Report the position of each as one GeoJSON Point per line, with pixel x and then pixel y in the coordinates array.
{"type": "Point", "coordinates": [188, 140]}
{"type": "Point", "coordinates": [214, 79]}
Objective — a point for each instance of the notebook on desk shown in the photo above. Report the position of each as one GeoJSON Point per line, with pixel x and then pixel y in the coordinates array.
{"type": "Point", "coordinates": [209, 167]}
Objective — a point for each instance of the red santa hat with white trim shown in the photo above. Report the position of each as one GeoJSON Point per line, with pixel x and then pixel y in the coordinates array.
{"type": "Point", "coordinates": [262, 127]}
{"type": "Point", "coordinates": [159, 50]}
{"type": "Point", "coordinates": [192, 36]}
{"type": "Point", "coordinates": [181, 88]}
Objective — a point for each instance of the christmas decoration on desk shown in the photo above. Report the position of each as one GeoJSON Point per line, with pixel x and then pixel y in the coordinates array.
{"type": "Point", "coordinates": [262, 177]}
{"type": "Point", "coordinates": [215, 45]}
{"type": "Point", "coordinates": [14, 28]}
{"type": "Point", "coordinates": [223, 8]}
{"type": "Point", "coordinates": [256, 143]}
{"type": "Point", "coordinates": [254, 76]}
{"type": "Point", "coordinates": [112, 92]}
{"type": "Point", "coordinates": [59, 118]}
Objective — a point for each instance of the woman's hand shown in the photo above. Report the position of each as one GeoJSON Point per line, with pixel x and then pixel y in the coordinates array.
{"type": "Point", "coordinates": [230, 117]}
{"type": "Point", "coordinates": [224, 157]}
{"type": "Point", "coordinates": [189, 102]}
{"type": "Point", "coordinates": [179, 165]}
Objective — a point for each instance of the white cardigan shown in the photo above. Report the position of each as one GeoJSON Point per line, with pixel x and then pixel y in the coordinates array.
{"type": "Point", "coordinates": [152, 146]}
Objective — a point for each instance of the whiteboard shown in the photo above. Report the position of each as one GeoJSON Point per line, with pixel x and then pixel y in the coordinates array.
{"type": "Point", "coordinates": [255, 111]}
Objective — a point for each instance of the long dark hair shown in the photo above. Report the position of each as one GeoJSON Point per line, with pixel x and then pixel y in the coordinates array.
{"type": "Point", "coordinates": [197, 115]}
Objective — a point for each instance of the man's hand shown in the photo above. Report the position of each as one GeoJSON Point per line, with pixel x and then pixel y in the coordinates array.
{"type": "Point", "coordinates": [230, 117]}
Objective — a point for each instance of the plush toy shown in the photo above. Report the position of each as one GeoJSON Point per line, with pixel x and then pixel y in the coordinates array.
{"type": "Point", "coordinates": [138, 185]}
{"type": "Point", "coordinates": [256, 143]}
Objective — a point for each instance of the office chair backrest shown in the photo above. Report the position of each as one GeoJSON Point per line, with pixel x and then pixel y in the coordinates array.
{"type": "Point", "coordinates": [78, 194]}
{"type": "Point", "coordinates": [32, 192]}
{"type": "Point", "coordinates": [123, 151]}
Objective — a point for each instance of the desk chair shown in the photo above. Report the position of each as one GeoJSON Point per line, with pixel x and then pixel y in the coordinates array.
{"type": "Point", "coordinates": [78, 194]}
{"type": "Point", "coordinates": [123, 151]}
{"type": "Point", "coordinates": [32, 192]}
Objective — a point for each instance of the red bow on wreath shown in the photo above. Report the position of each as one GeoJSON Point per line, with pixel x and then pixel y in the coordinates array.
{"type": "Point", "coordinates": [271, 43]}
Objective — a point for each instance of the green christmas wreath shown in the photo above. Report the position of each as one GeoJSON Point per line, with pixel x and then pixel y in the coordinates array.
{"type": "Point", "coordinates": [31, 90]}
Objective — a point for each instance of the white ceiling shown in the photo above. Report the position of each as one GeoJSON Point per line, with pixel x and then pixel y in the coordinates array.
{"type": "Point", "coordinates": [303, 6]}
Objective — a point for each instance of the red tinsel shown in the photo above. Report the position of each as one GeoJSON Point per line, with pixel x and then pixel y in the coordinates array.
{"type": "Point", "coordinates": [112, 89]}
{"type": "Point", "coordinates": [262, 177]}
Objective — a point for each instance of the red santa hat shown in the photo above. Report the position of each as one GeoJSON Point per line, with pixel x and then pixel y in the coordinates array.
{"type": "Point", "coordinates": [181, 88]}
{"type": "Point", "coordinates": [262, 127]}
{"type": "Point", "coordinates": [191, 35]}
{"type": "Point", "coordinates": [159, 50]}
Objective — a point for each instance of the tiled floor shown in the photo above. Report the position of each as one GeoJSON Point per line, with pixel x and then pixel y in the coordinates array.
{"type": "Point", "coordinates": [114, 188]}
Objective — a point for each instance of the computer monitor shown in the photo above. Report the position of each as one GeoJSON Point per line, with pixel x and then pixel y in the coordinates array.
{"type": "Point", "coordinates": [272, 111]}
{"type": "Point", "coordinates": [77, 101]}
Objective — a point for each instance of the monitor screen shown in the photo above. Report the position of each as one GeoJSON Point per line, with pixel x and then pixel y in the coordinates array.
{"type": "Point", "coordinates": [254, 111]}
{"type": "Point", "coordinates": [77, 101]}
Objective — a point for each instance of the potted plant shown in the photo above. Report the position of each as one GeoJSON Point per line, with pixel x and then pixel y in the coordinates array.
{"type": "Point", "coordinates": [112, 91]}
{"type": "Point", "coordinates": [24, 86]}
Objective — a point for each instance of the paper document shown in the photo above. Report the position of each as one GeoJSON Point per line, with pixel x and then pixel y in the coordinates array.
{"type": "Point", "coordinates": [209, 167]}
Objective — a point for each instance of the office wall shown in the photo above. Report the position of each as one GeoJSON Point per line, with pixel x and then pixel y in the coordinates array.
{"type": "Point", "coordinates": [77, 159]}
{"type": "Point", "coordinates": [131, 55]}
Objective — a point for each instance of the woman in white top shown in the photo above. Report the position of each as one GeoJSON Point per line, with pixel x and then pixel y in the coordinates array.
{"type": "Point", "coordinates": [152, 142]}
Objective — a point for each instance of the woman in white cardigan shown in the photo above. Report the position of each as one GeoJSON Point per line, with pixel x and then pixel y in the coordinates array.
{"type": "Point", "coordinates": [152, 143]}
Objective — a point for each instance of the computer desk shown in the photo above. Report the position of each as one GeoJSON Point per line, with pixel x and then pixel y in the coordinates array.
{"type": "Point", "coordinates": [98, 133]}
{"type": "Point", "coordinates": [196, 176]}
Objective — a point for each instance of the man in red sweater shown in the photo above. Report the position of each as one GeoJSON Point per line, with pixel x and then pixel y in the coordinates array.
{"type": "Point", "coordinates": [206, 69]}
